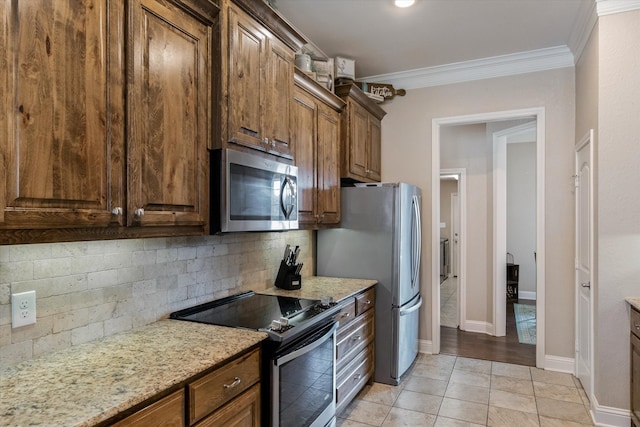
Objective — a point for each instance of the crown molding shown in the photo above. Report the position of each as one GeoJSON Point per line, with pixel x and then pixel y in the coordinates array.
{"type": "Point", "coordinates": [609, 7]}
{"type": "Point", "coordinates": [582, 28]}
{"type": "Point", "coordinates": [479, 69]}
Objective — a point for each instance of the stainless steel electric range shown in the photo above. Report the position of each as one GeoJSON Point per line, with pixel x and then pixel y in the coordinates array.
{"type": "Point", "coordinates": [298, 357]}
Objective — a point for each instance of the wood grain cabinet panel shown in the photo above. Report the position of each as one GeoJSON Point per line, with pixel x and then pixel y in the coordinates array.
{"type": "Point", "coordinates": [315, 124]}
{"type": "Point", "coordinates": [243, 411]}
{"type": "Point", "coordinates": [259, 86]}
{"type": "Point", "coordinates": [361, 135]}
{"type": "Point", "coordinates": [61, 131]}
{"type": "Point", "coordinates": [169, 103]}
{"type": "Point", "coordinates": [166, 412]}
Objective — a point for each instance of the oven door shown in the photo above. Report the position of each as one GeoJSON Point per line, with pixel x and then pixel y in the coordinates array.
{"type": "Point", "coordinates": [303, 386]}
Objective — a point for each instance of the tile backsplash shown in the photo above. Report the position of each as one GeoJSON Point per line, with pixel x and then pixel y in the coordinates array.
{"type": "Point", "coordinates": [89, 290]}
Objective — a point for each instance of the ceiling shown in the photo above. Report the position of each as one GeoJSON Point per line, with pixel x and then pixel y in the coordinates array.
{"type": "Point", "coordinates": [384, 39]}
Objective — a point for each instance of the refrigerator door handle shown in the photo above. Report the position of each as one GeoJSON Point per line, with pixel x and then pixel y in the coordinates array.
{"type": "Point", "coordinates": [417, 241]}
{"type": "Point", "coordinates": [417, 305]}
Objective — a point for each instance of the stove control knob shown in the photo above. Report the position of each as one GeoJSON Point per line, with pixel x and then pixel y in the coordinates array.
{"type": "Point", "coordinates": [275, 325]}
{"type": "Point", "coordinates": [284, 321]}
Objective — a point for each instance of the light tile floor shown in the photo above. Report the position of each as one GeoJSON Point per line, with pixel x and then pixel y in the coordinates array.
{"type": "Point", "coordinates": [449, 302]}
{"type": "Point", "coordinates": [445, 390]}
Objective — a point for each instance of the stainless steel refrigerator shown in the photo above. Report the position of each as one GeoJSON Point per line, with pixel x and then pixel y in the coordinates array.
{"type": "Point", "coordinates": [380, 239]}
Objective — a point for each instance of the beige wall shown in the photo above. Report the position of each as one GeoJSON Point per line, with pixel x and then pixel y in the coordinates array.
{"type": "Point", "coordinates": [88, 290]}
{"type": "Point", "coordinates": [406, 150]}
{"type": "Point", "coordinates": [618, 211]}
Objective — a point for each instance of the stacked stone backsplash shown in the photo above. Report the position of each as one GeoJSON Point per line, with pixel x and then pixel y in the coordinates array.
{"type": "Point", "coordinates": [88, 290]}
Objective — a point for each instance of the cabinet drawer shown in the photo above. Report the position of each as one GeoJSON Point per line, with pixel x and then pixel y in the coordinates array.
{"type": "Point", "coordinates": [365, 301]}
{"type": "Point", "coordinates": [635, 322]}
{"type": "Point", "coordinates": [213, 390]}
{"type": "Point", "coordinates": [244, 410]}
{"type": "Point", "coordinates": [355, 336]}
{"type": "Point", "coordinates": [353, 377]}
{"type": "Point", "coordinates": [168, 411]}
{"type": "Point", "coordinates": [347, 313]}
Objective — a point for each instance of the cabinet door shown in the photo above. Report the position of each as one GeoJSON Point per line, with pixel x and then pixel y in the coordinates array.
{"type": "Point", "coordinates": [243, 411]}
{"type": "Point", "coordinates": [374, 163]}
{"type": "Point", "coordinates": [168, 115]}
{"type": "Point", "coordinates": [358, 136]}
{"type": "Point", "coordinates": [247, 47]}
{"type": "Point", "coordinates": [61, 131]}
{"type": "Point", "coordinates": [328, 148]}
{"type": "Point", "coordinates": [279, 90]}
{"type": "Point", "coordinates": [167, 412]}
{"type": "Point", "coordinates": [304, 134]}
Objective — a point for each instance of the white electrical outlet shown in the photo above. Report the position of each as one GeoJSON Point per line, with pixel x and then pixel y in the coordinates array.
{"type": "Point", "coordinates": [23, 309]}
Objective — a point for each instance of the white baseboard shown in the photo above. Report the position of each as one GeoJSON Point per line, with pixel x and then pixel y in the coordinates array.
{"type": "Point", "coordinates": [608, 416]}
{"type": "Point", "coordinates": [527, 295]}
{"type": "Point", "coordinates": [477, 326]}
{"type": "Point", "coordinates": [560, 364]}
{"type": "Point", "coordinates": [425, 346]}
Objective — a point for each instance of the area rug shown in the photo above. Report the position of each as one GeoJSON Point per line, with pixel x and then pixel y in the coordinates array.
{"type": "Point", "coordinates": [525, 323]}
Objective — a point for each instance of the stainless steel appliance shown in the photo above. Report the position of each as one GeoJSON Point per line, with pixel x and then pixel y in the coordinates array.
{"type": "Point", "coordinates": [252, 193]}
{"type": "Point", "coordinates": [380, 238]}
{"type": "Point", "coordinates": [299, 356]}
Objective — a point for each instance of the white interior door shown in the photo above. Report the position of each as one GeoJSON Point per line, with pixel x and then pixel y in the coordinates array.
{"type": "Point", "coordinates": [455, 234]}
{"type": "Point", "coordinates": [584, 260]}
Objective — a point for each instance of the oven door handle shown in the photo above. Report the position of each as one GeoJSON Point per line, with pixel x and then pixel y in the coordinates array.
{"type": "Point", "coordinates": [281, 360]}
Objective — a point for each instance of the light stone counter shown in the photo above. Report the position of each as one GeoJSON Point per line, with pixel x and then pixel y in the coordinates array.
{"type": "Point", "coordinates": [634, 302]}
{"type": "Point", "coordinates": [90, 383]}
{"type": "Point", "coordinates": [317, 287]}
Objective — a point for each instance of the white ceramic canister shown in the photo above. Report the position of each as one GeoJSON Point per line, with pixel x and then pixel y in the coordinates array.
{"type": "Point", "coordinates": [303, 61]}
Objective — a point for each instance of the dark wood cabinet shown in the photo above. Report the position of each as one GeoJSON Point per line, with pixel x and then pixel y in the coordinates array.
{"type": "Point", "coordinates": [316, 133]}
{"type": "Point", "coordinates": [361, 136]}
{"type": "Point", "coordinates": [62, 130]}
{"type": "Point", "coordinates": [69, 172]}
{"type": "Point", "coordinates": [257, 79]}
{"type": "Point", "coordinates": [168, 110]}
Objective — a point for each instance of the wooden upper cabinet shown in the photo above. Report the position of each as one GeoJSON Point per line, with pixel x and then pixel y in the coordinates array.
{"type": "Point", "coordinates": [61, 132]}
{"type": "Point", "coordinates": [169, 98]}
{"type": "Point", "coordinates": [257, 78]}
{"type": "Point", "coordinates": [361, 136]}
{"type": "Point", "coordinates": [316, 135]}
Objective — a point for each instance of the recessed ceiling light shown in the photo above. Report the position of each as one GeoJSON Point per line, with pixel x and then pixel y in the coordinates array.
{"type": "Point", "coordinates": [404, 3]}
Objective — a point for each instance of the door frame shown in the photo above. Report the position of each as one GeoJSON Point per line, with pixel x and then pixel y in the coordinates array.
{"type": "Point", "coordinates": [462, 246]}
{"type": "Point", "coordinates": [539, 114]}
{"type": "Point", "coordinates": [500, 141]}
{"type": "Point", "coordinates": [587, 139]}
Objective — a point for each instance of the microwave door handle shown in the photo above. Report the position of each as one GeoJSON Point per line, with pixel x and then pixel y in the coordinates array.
{"type": "Point", "coordinates": [286, 210]}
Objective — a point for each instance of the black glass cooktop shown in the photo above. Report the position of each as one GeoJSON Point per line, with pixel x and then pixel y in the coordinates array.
{"type": "Point", "coordinates": [250, 310]}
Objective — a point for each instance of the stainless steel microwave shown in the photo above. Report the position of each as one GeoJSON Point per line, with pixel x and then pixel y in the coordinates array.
{"type": "Point", "coordinates": [252, 193]}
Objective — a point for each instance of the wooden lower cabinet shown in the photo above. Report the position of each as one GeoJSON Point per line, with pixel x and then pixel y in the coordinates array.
{"type": "Point", "coordinates": [355, 347]}
{"type": "Point", "coordinates": [227, 396]}
{"type": "Point", "coordinates": [243, 411]}
{"type": "Point", "coordinates": [168, 411]}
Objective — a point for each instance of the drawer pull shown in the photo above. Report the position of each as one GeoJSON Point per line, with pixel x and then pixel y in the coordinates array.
{"type": "Point", "coordinates": [235, 383]}
{"type": "Point", "coordinates": [346, 314]}
{"type": "Point", "coordinates": [637, 326]}
{"type": "Point", "coordinates": [357, 377]}
{"type": "Point", "coordinates": [368, 302]}
{"type": "Point", "coordinates": [358, 337]}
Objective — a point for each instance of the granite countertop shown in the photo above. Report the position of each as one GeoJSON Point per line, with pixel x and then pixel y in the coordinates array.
{"type": "Point", "coordinates": [633, 302]}
{"type": "Point", "coordinates": [90, 383]}
{"type": "Point", "coordinates": [317, 287]}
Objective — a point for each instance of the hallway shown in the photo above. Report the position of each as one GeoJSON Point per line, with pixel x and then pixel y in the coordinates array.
{"type": "Point", "coordinates": [453, 341]}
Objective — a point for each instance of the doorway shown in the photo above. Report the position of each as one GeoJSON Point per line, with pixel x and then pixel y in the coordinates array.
{"type": "Point", "coordinates": [485, 325]}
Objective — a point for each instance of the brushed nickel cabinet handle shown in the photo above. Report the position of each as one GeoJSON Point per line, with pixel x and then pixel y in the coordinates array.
{"type": "Point", "coordinates": [235, 383]}
{"type": "Point", "coordinates": [116, 211]}
{"type": "Point", "coordinates": [139, 212]}
{"type": "Point", "coordinates": [637, 326]}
